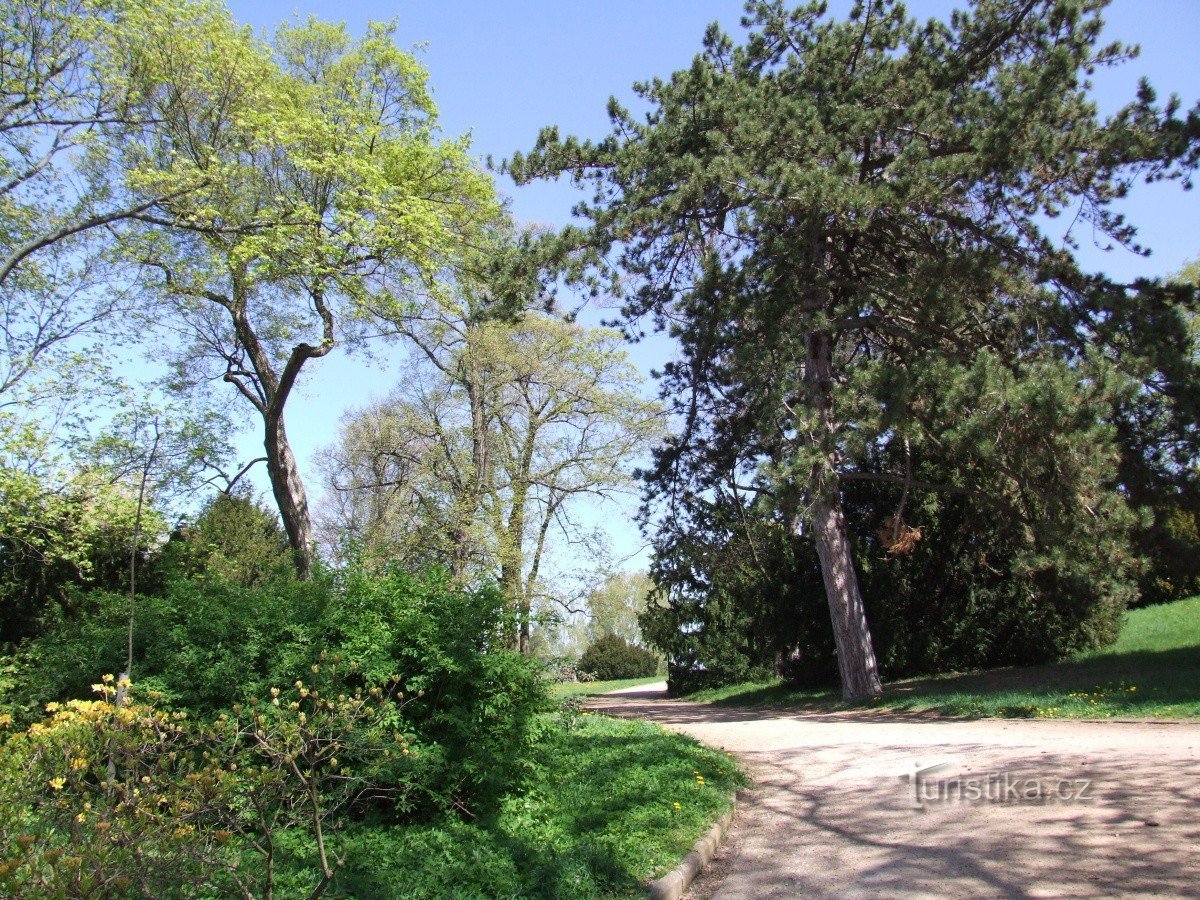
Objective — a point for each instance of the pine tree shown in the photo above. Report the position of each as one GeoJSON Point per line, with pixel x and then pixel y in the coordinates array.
{"type": "Point", "coordinates": [834, 218]}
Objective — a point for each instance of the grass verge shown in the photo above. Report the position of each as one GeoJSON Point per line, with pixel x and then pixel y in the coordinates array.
{"type": "Point", "coordinates": [587, 688]}
{"type": "Point", "coordinates": [611, 804]}
{"type": "Point", "coordinates": [1152, 671]}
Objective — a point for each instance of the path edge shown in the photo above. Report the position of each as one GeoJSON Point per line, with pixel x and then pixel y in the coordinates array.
{"type": "Point", "coordinates": [672, 885]}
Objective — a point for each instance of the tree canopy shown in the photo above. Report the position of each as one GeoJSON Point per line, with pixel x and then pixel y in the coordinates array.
{"type": "Point", "coordinates": [847, 226]}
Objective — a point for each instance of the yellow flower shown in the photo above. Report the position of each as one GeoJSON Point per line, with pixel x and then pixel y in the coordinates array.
{"type": "Point", "coordinates": [677, 806]}
{"type": "Point", "coordinates": [79, 763]}
{"type": "Point", "coordinates": [5, 720]}
{"type": "Point", "coordinates": [57, 783]}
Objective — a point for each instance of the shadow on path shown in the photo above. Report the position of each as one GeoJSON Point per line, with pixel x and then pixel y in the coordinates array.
{"type": "Point", "coordinates": [836, 810]}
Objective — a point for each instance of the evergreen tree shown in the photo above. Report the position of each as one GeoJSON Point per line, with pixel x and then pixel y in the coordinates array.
{"type": "Point", "coordinates": [845, 226]}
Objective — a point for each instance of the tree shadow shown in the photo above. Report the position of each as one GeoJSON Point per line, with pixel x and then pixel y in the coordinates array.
{"type": "Point", "coordinates": [816, 833]}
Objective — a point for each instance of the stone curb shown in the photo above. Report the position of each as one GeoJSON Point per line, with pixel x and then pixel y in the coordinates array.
{"type": "Point", "coordinates": [672, 885]}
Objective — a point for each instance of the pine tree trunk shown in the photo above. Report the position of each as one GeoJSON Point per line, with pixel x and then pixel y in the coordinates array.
{"type": "Point", "coordinates": [856, 653]}
{"type": "Point", "coordinates": [290, 497]}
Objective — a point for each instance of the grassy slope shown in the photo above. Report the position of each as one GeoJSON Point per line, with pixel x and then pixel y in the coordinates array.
{"type": "Point", "coordinates": [611, 804]}
{"type": "Point", "coordinates": [1153, 670]}
{"type": "Point", "coordinates": [581, 688]}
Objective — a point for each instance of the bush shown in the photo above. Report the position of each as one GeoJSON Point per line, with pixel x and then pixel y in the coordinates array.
{"type": "Point", "coordinates": [208, 643]}
{"type": "Point", "coordinates": [107, 800]}
{"type": "Point", "coordinates": [611, 657]}
{"type": "Point", "coordinates": [477, 714]}
{"type": "Point", "coordinates": [233, 538]}
{"type": "Point", "coordinates": [205, 643]}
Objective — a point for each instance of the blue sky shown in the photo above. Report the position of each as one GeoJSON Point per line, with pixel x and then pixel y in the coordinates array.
{"type": "Point", "coordinates": [503, 70]}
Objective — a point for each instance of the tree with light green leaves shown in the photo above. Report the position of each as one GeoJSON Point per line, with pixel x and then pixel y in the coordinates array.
{"type": "Point", "coordinates": [848, 227]}
{"type": "Point", "coordinates": [72, 74]}
{"type": "Point", "coordinates": [613, 606]}
{"type": "Point", "coordinates": [326, 198]}
{"type": "Point", "coordinates": [563, 420]}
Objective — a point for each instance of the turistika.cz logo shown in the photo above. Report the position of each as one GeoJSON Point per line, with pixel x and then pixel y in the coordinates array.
{"type": "Point", "coordinates": [993, 787]}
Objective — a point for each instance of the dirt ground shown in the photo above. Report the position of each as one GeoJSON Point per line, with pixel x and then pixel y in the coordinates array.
{"type": "Point", "coordinates": [869, 804]}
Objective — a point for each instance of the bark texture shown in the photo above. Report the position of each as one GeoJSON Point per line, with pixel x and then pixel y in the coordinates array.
{"type": "Point", "coordinates": [852, 635]}
{"type": "Point", "coordinates": [856, 654]}
{"type": "Point", "coordinates": [290, 496]}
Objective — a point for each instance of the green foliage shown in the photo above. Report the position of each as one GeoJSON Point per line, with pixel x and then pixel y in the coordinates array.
{"type": "Point", "coordinates": [1153, 670]}
{"type": "Point", "coordinates": [611, 657]}
{"type": "Point", "coordinates": [59, 536]}
{"type": "Point", "coordinates": [1157, 341]}
{"type": "Point", "coordinates": [613, 605]}
{"type": "Point", "coordinates": [843, 223]}
{"type": "Point", "coordinates": [203, 642]}
{"type": "Point", "coordinates": [476, 716]}
{"type": "Point", "coordinates": [105, 796]}
{"type": "Point", "coordinates": [234, 539]}
{"type": "Point", "coordinates": [207, 642]}
{"type": "Point", "coordinates": [610, 805]}
{"type": "Point", "coordinates": [1027, 573]}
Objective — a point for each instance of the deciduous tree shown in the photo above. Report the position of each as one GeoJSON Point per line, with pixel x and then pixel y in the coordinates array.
{"type": "Point", "coordinates": [327, 194]}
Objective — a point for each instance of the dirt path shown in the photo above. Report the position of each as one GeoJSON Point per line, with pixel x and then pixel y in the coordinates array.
{"type": "Point", "coordinates": [836, 811]}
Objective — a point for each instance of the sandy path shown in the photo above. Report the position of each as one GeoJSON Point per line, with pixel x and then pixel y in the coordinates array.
{"type": "Point", "coordinates": [835, 810]}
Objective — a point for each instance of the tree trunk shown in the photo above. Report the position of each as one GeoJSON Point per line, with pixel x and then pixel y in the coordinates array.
{"type": "Point", "coordinates": [856, 653]}
{"type": "Point", "coordinates": [478, 480]}
{"type": "Point", "coordinates": [523, 640]}
{"type": "Point", "coordinates": [290, 497]}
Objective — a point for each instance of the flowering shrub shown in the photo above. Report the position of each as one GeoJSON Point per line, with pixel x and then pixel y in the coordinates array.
{"type": "Point", "coordinates": [102, 798]}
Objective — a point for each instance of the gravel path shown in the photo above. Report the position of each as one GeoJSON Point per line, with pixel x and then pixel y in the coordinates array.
{"type": "Point", "coordinates": [1015, 808]}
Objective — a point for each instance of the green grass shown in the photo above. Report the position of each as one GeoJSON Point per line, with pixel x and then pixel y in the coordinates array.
{"type": "Point", "coordinates": [1152, 671]}
{"type": "Point", "coordinates": [610, 805]}
{"type": "Point", "coordinates": [582, 688]}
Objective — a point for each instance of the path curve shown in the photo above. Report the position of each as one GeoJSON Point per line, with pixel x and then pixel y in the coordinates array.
{"type": "Point", "coordinates": [835, 810]}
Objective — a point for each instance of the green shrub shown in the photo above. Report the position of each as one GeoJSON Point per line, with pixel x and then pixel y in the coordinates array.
{"type": "Point", "coordinates": [477, 714]}
{"type": "Point", "coordinates": [611, 657]}
{"type": "Point", "coordinates": [208, 643]}
{"type": "Point", "coordinates": [106, 800]}
{"type": "Point", "coordinates": [233, 538]}
{"type": "Point", "coordinates": [205, 643]}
